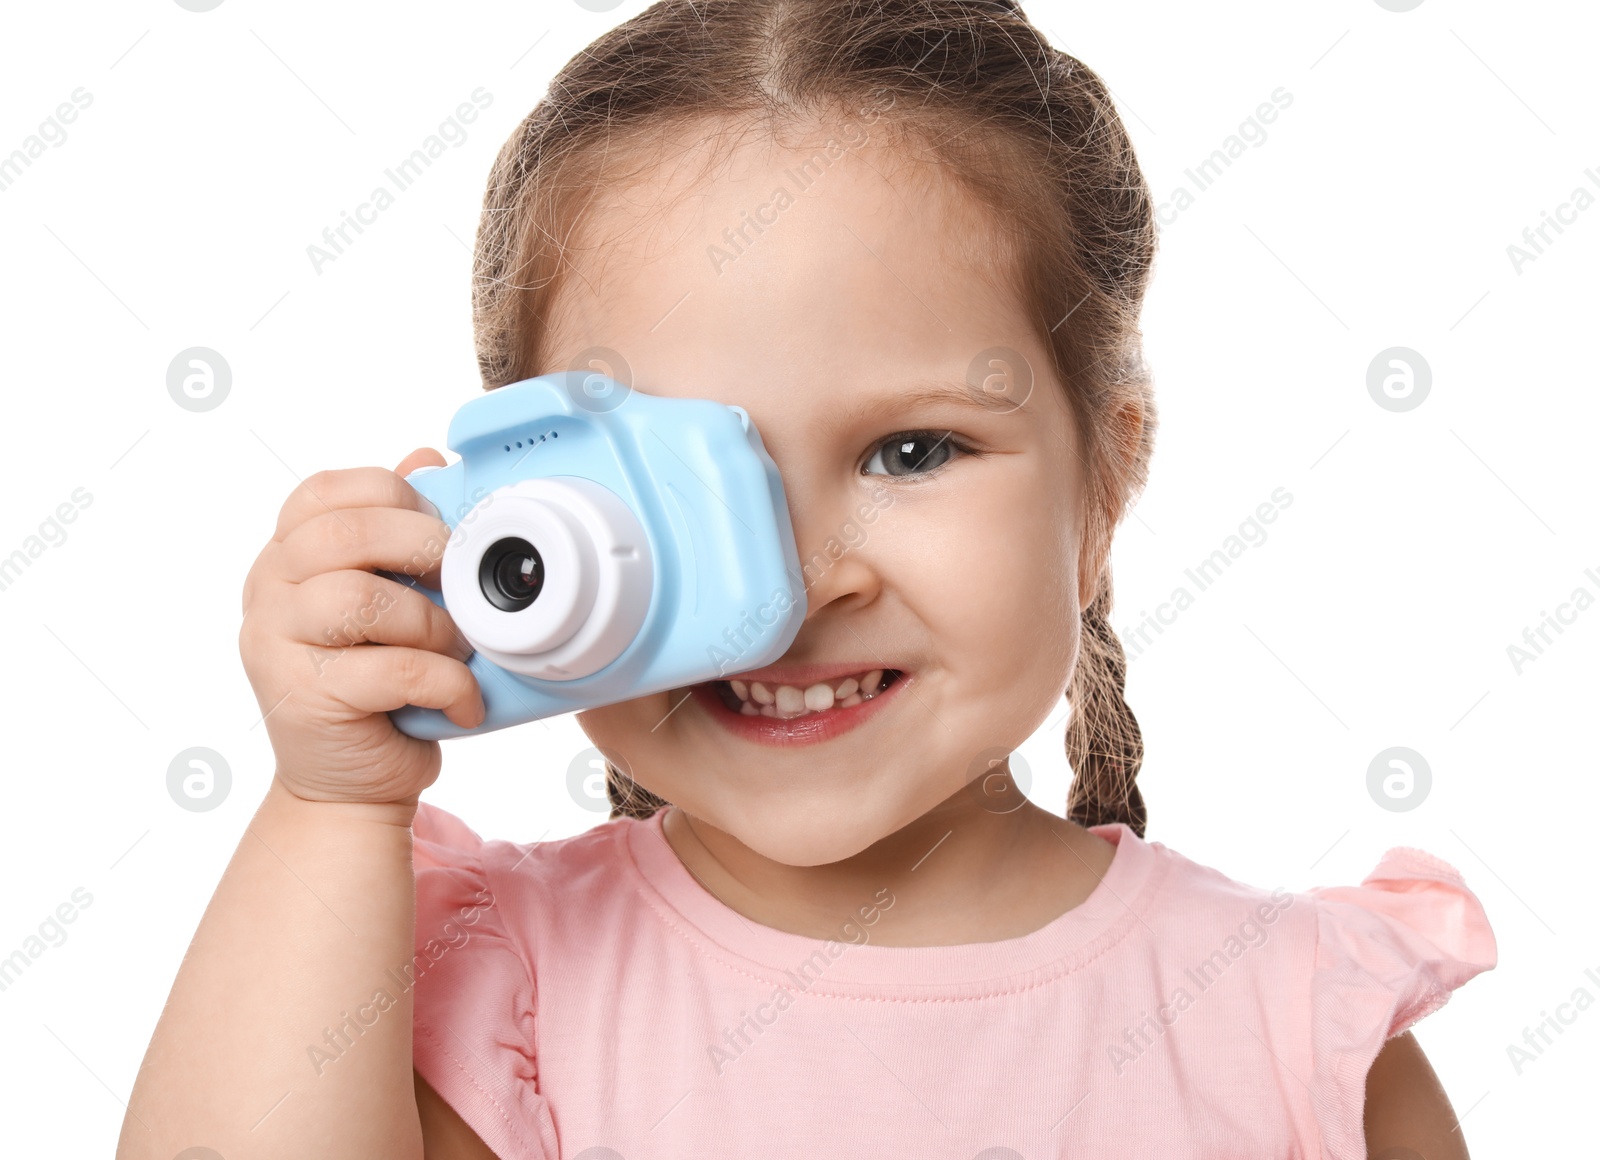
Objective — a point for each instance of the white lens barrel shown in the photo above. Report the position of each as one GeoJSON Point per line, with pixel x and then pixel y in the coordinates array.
{"type": "Point", "coordinates": [597, 577]}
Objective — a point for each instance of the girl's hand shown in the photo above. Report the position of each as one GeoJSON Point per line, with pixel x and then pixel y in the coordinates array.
{"type": "Point", "coordinates": [330, 647]}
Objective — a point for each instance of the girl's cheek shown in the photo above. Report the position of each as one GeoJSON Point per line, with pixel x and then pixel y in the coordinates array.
{"type": "Point", "coordinates": [1002, 578]}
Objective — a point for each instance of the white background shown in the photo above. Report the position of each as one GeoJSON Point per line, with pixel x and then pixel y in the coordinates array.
{"type": "Point", "coordinates": [1378, 612]}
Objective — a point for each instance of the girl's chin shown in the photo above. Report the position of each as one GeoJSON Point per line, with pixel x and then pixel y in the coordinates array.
{"type": "Point", "coordinates": [827, 828]}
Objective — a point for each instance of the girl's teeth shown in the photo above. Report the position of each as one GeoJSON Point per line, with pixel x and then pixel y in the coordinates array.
{"type": "Point", "coordinates": [789, 701]}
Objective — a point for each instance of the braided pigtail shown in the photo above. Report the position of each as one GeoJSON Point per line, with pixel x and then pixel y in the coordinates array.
{"type": "Point", "coordinates": [1104, 745]}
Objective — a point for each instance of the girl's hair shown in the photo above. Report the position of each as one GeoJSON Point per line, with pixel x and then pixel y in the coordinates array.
{"type": "Point", "coordinates": [1025, 129]}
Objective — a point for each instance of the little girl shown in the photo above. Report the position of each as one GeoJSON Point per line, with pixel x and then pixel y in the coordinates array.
{"type": "Point", "coordinates": [911, 239]}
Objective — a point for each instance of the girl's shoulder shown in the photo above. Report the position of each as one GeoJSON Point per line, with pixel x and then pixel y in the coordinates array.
{"type": "Point", "coordinates": [1411, 908]}
{"type": "Point", "coordinates": [1345, 967]}
{"type": "Point", "coordinates": [441, 838]}
{"type": "Point", "coordinates": [454, 866]}
{"type": "Point", "coordinates": [1409, 933]}
{"type": "Point", "coordinates": [1407, 886]}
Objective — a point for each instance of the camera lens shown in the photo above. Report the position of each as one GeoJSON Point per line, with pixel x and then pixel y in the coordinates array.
{"type": "Point", "coordinates": [511, 574]}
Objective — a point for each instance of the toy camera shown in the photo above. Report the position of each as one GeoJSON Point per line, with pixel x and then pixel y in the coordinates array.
{"type": "Point", "coordinates": [605, 544]}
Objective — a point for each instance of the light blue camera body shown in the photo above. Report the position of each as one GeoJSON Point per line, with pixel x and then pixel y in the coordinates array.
{"type": "Point", "coordinates": [606, 544]}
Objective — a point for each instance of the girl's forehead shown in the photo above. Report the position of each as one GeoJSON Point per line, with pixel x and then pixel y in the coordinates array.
{"type": "Point", "coordinates": [788, 267]}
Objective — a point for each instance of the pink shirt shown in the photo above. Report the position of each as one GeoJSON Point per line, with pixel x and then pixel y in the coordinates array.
{"type": "Point", "coordinates": [588, 994]}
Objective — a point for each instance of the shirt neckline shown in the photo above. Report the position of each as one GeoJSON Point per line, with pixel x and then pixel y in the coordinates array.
{"type": "Point", "coordinates": [1068, 941]}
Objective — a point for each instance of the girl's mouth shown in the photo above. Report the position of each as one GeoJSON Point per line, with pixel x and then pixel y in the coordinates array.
{"type": "Point", "coordinates": [790, 715]}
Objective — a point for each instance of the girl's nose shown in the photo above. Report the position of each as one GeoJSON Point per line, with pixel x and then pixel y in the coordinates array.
{"type": "Point", "coordinates": [836, 564]}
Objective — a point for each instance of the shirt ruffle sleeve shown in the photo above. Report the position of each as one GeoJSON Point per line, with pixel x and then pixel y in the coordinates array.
{"type": "Point", "coordinates": [1388, 952]}
{"type": "Point", "coordinates": [473, 1020]}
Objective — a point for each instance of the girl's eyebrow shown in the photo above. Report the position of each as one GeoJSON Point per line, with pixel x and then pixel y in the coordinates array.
{"type": "Point", "coordinates": [928, 393]}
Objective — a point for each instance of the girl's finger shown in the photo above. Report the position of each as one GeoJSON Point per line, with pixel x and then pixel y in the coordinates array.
{"type": "Point", "coordinates": [352, 487]}
{"type": "Point", "coordinates": [393, 539]}
{"type": "Point", "coordinates": [349, 606]}
{"type": "Point", "coordinates": [375, 678]}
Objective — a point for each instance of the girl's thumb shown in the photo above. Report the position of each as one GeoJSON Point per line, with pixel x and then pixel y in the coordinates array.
{"type": "Point", "coordinates": [421, 457]}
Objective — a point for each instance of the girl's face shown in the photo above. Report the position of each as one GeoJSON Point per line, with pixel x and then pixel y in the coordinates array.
{"type": "Point", "coordinates": [852, 317]}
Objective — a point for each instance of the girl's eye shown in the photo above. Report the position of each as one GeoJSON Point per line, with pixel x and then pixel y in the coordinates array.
{"type": "Point", "coordinates": [915, 453]}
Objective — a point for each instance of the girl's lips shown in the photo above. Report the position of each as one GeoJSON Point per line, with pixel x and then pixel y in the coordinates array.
{"type": "Point", "coordinates": [808, 729]}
